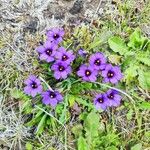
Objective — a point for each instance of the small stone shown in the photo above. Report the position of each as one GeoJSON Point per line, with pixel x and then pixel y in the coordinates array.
{"type": "Point", "coordinates": [59, 15]}
{"type": "Point", "coordinates": [77, 7]}
{"type": "Point", "coordinates": [31, 26]}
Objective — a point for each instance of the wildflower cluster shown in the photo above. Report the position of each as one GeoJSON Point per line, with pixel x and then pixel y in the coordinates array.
{"type": "Point", "coordinates": [61, 60]}
{"type": "Point", "coordinates": [47, 52]}
{"type": "Point", "coordinates": [108, 99]}
{"type": "Point", "coordinates": [34, 87]}
{"type": "Point", "coordinates": [98, 66]}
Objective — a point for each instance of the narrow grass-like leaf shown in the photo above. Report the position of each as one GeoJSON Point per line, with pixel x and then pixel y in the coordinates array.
{"type": "Point", "coordinates": [41, 125]}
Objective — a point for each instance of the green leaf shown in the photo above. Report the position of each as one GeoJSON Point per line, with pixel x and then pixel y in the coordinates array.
{"type": "Point", "coordinates": [115, 59]}
{"type": "Point", "coordinates": [145, 60]}
{"type": "Point", "coordinates": [82, 145]}
{"type": "Point", "coordinates": [84, 103]}
{"type": "Point", "coordinates": [144, 79]}
{"type": "Point", "coordinates": [145, 105]}
{"type": "Point", "coordinates": [130, 73]}
{"type": "Point", "coordinates": [110, 140]}
{"type": "Point", "coordinates": [29, 146]}
{"type": "Point", "coordinates": [95, 43]}
{"type": "Point", "coordinates": [71, 99]}
{"type": "Point", "coordinates": [87, 85]}
{"type": "Point", "coordinates": [59, 109]}
{"type": "Point", "coordinates": [36, 119]}
{"type": "Point", "coordinates": [62, 116]}
{"type": "Point", "coordinates": [78, 87]}
{"type": "Point", "coordinates": [137, 147]}
{"type": "Point", "coordinates": [136, 40]}
{"type": "Point", "coordinates": [147, 135]}
{"type": "Point", "coordinates": [83, 116]}
{"type": "Point", "coordinates": [77, 130]}
{"type": "Point", "coordinates": [41, 125]}
{"type": "Point", "coordinates": [112, 148]}
{"type": "Point", "coordinates": [105, 35]}
{"type": "Point", "coordinates": [117, 45]}
{"type": "Point", "coordinates": [27, 107]}
{"type": "Point", "coordinates": [91, 124]}
{"type": "Point", "coordinates": [15, 93]}
{"type": "Point", "coordinates": [18, 94]}
{"type": "Point", "coordinates": [129, 114]}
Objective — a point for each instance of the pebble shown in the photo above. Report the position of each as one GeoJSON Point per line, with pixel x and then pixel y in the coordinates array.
{"type": "Point", "coordinates": [77, 7]}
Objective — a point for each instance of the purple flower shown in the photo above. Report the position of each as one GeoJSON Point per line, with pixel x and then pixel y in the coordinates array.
{"type": "Point", "coordinates": [113, 98]}
{"type": "Point", "coordinates": [112, 74]}
{"type": "Point", "coordinates": [65, 56]}
{"type": "Point", "coordinates": [51, 97]}
{"type": "Point", "coordinates": [47, 51]}
{"type": "Point", "coordinates": [98, 61]}
{"type": "Point", "coordinates": [82, 52]}
{"type": "Point", "coordinates": [55, 35]}
{"type": "Point", "coordinates": [87, 73]}
{"type": "Point", "coordinates": [100, 101]}
{"type": "Point", "coordinates": [33, 86]}
{"type": "Point", "coordinates": [61, 70]}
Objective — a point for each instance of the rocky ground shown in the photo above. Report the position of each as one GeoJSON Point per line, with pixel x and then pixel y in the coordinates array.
{"type": "Point", "coordinates": [23, 22]}
{"type": "Point", "coordinates": [39, 15]}
{"type": "Point", "coordinates": [34, 15]}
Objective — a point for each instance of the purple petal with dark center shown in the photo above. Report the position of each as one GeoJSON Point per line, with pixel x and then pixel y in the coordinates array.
{"type": "Point", "coordinates": [46, 100]}
{"type": "Point", "coordinates": [57, 75]}
{"type": "Point", "coordinates": [40, 49]}
{"type": "Point", "coordinates": [27, 90]}
{"type": "Point", "coordinates": [43, 56]}
{"type": "Point", "coordinates": [64, 74]}
{"type": "Point", "coordinates": [53, 102]}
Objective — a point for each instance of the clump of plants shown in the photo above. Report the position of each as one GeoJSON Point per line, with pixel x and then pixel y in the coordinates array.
{"type": "Point", "coordinates": [85, 78]}
{"type": "Point", "coordinates": [62, 62]}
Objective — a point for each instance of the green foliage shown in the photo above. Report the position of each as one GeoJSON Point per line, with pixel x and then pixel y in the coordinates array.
{"type": "Point", "coordinates": [82, 145]}
{"type": "Point", "coordinates": [18, 94]}
{"type": "Point", "coordinates": [77, 130]}
{"type": "Point", "coordinates": [144, 80]}
{"type": "Point", "coordinates": [79, 87]}
{"type": "Point", "coordinates": [133, 56]}
{"type": "Point", "coordinates": [96, 42]}
{"type": "Point", "coordinates": [137, 41]}
{"type": "Point", "coordinates": [41, 125]}
{"type": "Point", "coordinates": [130, 114]}
{"type": "Point", "coordinates": [136, 56]}
{"type": "Point", "coordinates": [137, 147]}
{"type": "Point", "coordinates": [91, 136]}
{"type": "Point", "coordinates": [95, 130]}
{"type": "Point", "coordinates": [110, 140]}
{"type": "Point", "coordinates": [144, 105]}
{"type": "Point", "coordinates": [144, 57]}
{"type": "Point", "coordinates": [29, 146]}
{"type": "Point", "coordinates": [117, 45]}
{"type": "Point", "coordinates": [130, 73]}
{"type": "Point", "coordinates": [40, 119]}
{"type": "Point", "coordinates": [91, 125]}
{"type": "Point", "coordinates": [71, 100]}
